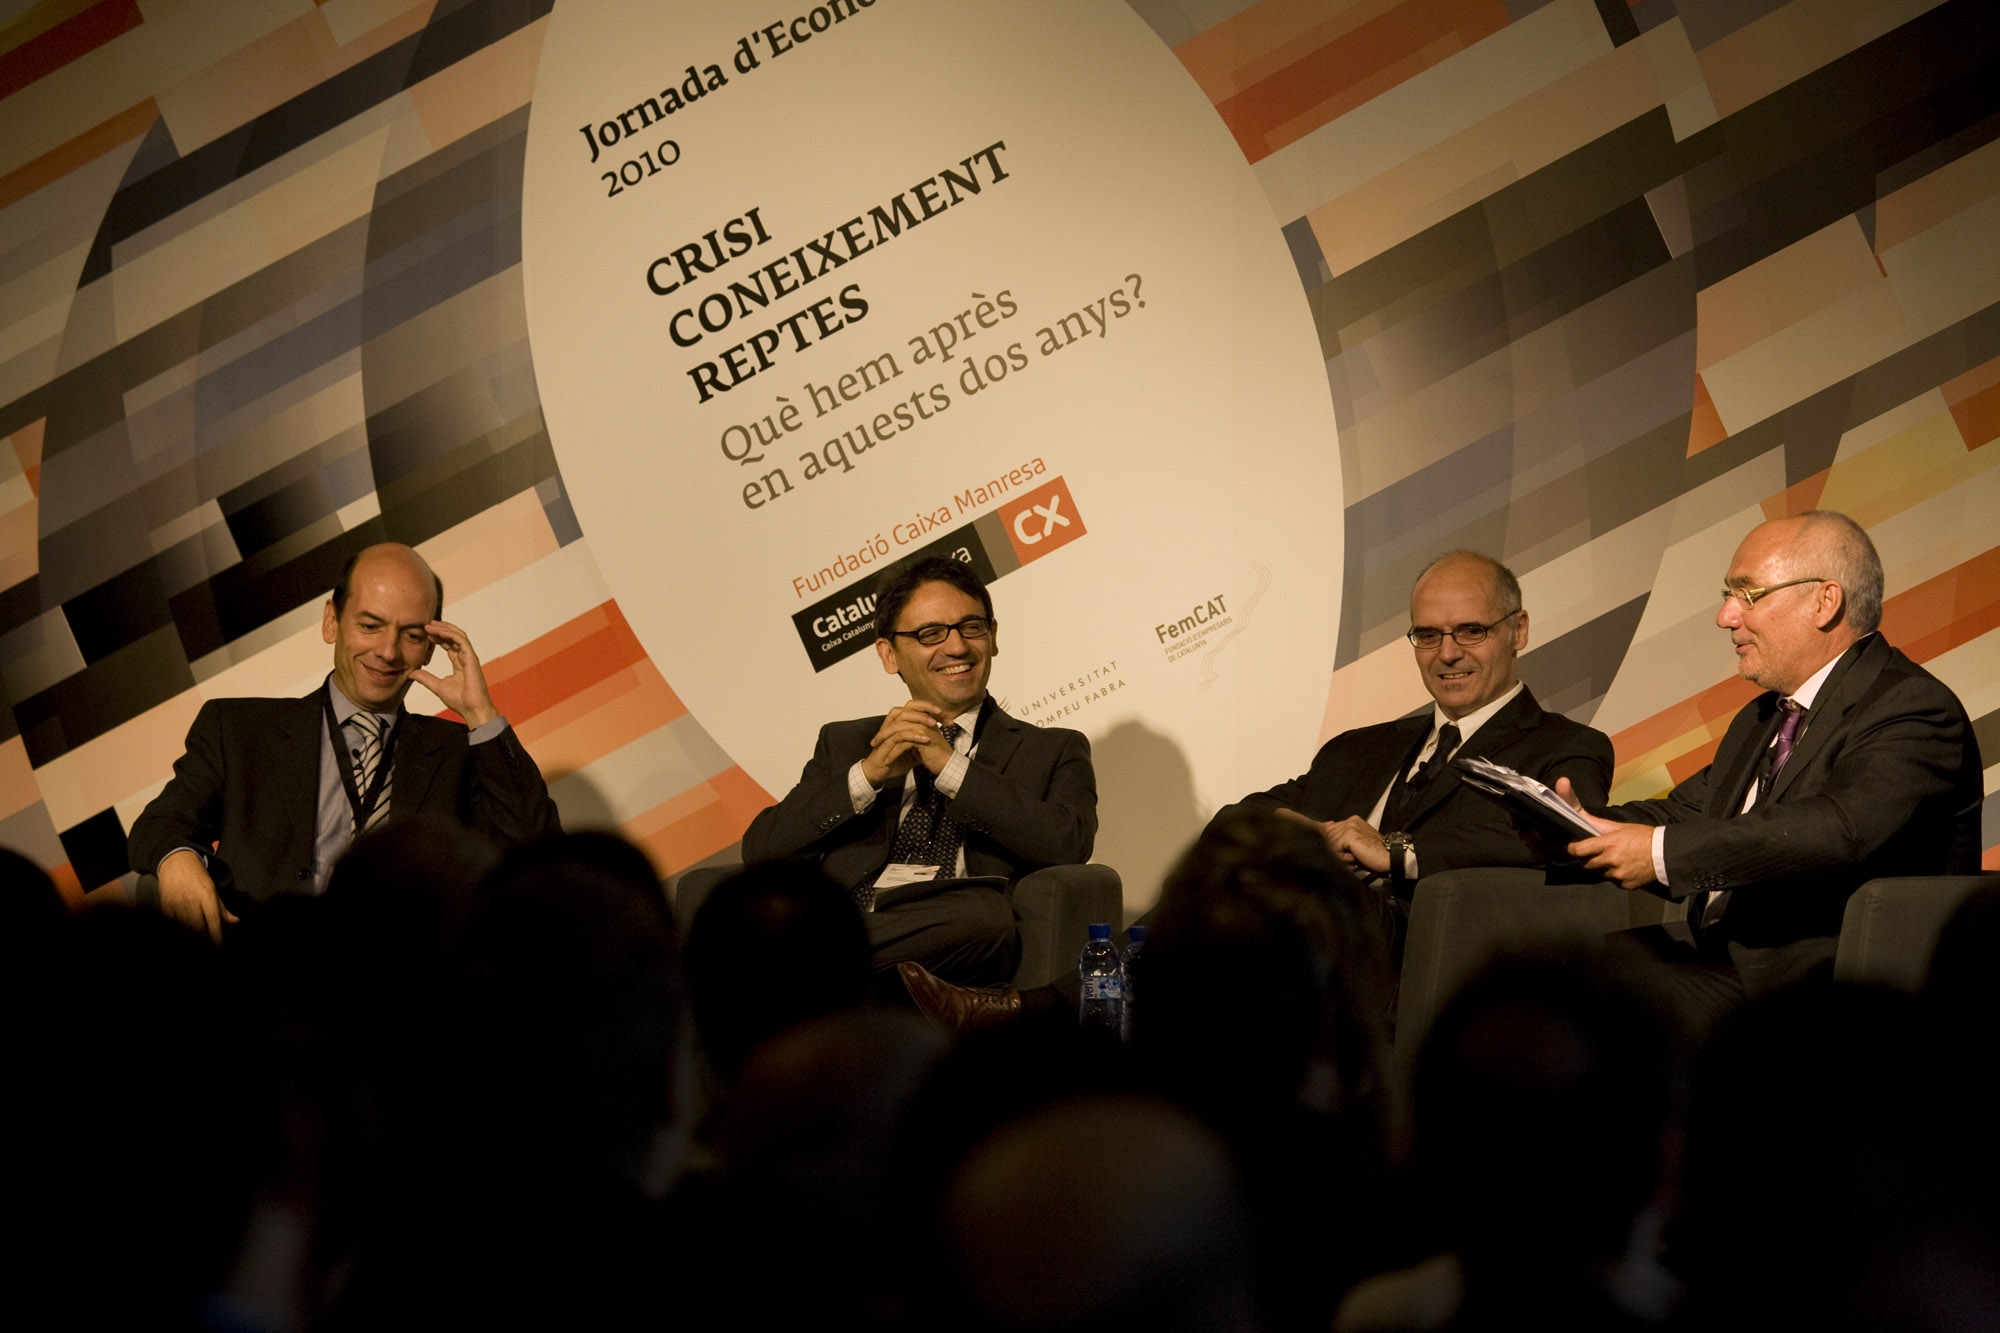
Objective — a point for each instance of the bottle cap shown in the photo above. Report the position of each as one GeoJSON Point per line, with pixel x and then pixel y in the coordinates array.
{"type": "Point", "coordinates": [1136, 934]}
{"type": "Point", "coordinates": [1098, 933]}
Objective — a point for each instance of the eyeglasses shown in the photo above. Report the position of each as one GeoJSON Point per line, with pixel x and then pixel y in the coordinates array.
{"type": "Point", "coordinates": [1749, 596]}
{"type": "Point", "coordinates": [1425, 639]}
{"type": "Point", "coordinates": [971, 629]}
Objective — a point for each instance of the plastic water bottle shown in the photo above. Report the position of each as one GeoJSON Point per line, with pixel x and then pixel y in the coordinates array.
{"type": "Point", "coordinates": [1101, 986]}
{"type": "Point", "coordinates": [1135, 944]}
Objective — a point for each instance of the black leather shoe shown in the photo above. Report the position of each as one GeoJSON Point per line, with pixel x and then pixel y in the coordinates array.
{"type": "Point", "coordinates": [959, 1008]}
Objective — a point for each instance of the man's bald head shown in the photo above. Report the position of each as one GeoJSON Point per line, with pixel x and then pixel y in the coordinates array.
{"type": "Point", "coordinates": [1841, 547]}
{"type": "Point", "coordinates": [387, 551]}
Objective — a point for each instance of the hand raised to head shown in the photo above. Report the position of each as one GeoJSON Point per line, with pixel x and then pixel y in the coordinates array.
{"type": "Point", "coordinates": [464, 690]}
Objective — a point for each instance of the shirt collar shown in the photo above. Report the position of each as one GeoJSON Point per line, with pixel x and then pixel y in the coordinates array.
{"type": "Point", "coordinates": [1476, 719]}
{"type": "Point", "coordinates": [345, 708]}
{"type": "Point", "coordinates": [1804, 695]}
{"type": "Point", "coordinates": [968, 725]}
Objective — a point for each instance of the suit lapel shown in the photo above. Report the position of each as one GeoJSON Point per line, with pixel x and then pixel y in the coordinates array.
{"type": "Point", "coordinates": [1404, 740]}
{"type": "Point", "coordinates": [1844, 687]}
{"type": "Point", "coordinates": [297, 750]}
{"type": "Point", "coordinates": [419, 752]}
{"type": "Point", "coordinates": [1499, 731]}
{"type": "Point", "coordinates": [1734, 779]}
{"type": "Point", "coordinates": [999, 737]}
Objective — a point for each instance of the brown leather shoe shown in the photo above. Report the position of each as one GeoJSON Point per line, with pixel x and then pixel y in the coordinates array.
{"type": "Point", "coordinates": [958, 1008]}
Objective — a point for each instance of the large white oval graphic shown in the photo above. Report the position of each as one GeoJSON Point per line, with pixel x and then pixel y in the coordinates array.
{"type": "Point", "coordinates": [808, 295]}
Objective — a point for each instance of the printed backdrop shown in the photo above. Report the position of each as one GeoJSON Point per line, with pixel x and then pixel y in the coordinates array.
{"type": "Point", "coordinates": [1593, 286]}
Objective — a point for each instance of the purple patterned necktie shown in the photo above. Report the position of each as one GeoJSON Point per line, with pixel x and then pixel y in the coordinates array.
{"type": "Point", "coordinates": [1705, 909]}
{"type": "Point", "coordinates": [1781, 749]}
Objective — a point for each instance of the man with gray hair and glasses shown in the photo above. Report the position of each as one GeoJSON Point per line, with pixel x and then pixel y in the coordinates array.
{"type": "Point", "coordinates": [1854, 763]}
{"type": "Point", "coordinates": [1386, 797]}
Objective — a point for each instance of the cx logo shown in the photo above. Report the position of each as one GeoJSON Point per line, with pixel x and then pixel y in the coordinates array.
{"type": "Point", "coordinates": [1050, 517]}
{"type": "Point", "coordinates": [1042, 520]}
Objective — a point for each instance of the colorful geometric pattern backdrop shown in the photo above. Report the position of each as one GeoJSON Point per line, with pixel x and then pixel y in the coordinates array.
{"type": "Point", "coordinates": [1598, 286]}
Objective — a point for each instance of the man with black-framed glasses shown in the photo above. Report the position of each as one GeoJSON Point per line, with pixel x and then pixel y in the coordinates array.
{"type": "Point", "coordinates": [1854, 763]}
{"type": "Point", "coordinates": [945, 786]}
{"type": "Point", "coordinates": [1386, 797]}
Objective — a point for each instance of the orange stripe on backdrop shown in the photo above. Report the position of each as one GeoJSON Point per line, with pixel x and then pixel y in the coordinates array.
{"type": "Point", "coordinates": [1941, 613]}
{"type": "Point", "coordinates": [92, 144]}
{"type": "Point", "coordinates": [607, 716]}
{"type": "Point", "coordinates": [1799, 497]}
{"type": "Point", "coordinates": [1705, 428]}
{"type": "Point", "coordinates": [1978, 416]}
{"type": "Point", "coordinates": [75, 36]}
{"type": "Point", "coordinates": [1705, 714]}
{"type": "Point", "coordinates": [698, 822]}
{"type": "Point", "coordinates": [1351, 69]}
{"type": "Point", "coordinates": [1982, 376]}
{"type": "Point", "coordinates": [68, 885]}
{"type": "Point", "coordinates": [1247, 48]}
{"type": "Point", "coordinates": [39, 19]}
{"type": "Point", "coordinates": [568, 659]}
{"type": "Point", "coordinates": [27, 446]}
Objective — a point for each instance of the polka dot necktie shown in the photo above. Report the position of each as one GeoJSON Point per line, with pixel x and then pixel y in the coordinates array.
{"type": "Point", "coordinates": [926, 836]}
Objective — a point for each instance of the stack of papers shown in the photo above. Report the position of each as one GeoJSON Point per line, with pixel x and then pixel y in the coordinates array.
{"type": "Point", "coordinates": [1524, 795]}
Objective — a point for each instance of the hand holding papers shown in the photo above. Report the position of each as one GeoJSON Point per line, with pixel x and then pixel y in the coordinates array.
{"type": "Point", "coordinates": [1525, 796]}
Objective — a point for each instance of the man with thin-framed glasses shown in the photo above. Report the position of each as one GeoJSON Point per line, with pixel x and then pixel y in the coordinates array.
{"type": "Point", "coordinates": [1386, 797]}
{"type": "Point", "coordinates": [944, 787]}
{"type": "Point", "coordinates": [1854, 763]}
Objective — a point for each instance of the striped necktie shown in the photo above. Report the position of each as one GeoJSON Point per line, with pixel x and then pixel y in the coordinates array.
{"type": "Point", "coordinates": [368, 758]}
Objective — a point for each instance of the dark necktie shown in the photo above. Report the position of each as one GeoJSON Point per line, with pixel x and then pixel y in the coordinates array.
{"type": "Point", "coordinates": [926, 835]}
{"type": "Point", "coordinates": [1705, 909]}
{"type": "Point", "coordinates": [367, 758]}
{"type": "Point", "coordinates": [1781, 749]}
{"type": "Point", "coordinates": [1427, 773]}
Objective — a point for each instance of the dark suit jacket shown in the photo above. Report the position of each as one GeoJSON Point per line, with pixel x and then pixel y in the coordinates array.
{"type": "Point", "coordinates": [249, 780]}
{"type": "Point", "coordinates": [1029, 800]}
{"type": "Point", "coordinates": [1885, 781]}
{"type": "Point", "coordinates": [1452, 825]}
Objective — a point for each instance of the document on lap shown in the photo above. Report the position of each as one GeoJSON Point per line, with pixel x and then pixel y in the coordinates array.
{"type": "Point", "coordinates": [909, 891]}
{"type": "Point", "coordinates": [901, 872]}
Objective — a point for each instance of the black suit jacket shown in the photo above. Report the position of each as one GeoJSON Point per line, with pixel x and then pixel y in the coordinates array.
{"type": "Point", "coordinates": [249, 781]}
{"type": "Point", "coordinates": [1452, 825]}
{"type": "Point", "coordinates": [1029, 800]}
{"type": "Point", "coordinates": [1886, 780]}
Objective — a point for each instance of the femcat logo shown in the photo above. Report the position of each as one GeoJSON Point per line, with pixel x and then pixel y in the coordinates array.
{"type": "Point", "coordinates": [1036, 522]}
{"type": "Point", "coordinates": [1040, 521]}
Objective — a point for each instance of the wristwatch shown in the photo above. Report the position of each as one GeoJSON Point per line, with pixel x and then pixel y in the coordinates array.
{"type": "Point", "coordinates": [1400, 847]}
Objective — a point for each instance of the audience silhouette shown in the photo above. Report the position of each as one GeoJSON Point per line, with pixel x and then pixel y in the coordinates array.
{"type": "Point", "coordinates": [458, 1090]}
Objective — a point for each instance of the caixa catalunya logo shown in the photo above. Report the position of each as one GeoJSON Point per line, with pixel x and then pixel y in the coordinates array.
{"type": "Point", "coordinates": [1028, 527]}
